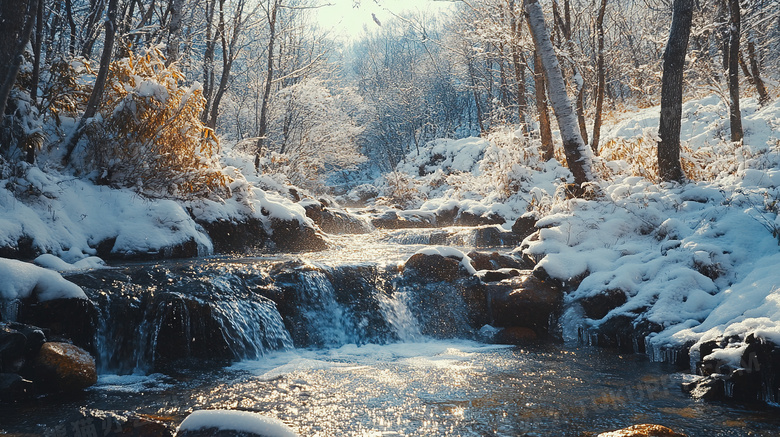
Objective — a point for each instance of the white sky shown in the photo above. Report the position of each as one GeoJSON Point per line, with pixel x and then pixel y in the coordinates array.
{"type": "Point", "coordinates": [343, 19]}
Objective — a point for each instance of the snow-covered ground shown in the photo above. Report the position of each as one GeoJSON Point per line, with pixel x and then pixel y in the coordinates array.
{"type": "Point", "coordinates": [698, 259]}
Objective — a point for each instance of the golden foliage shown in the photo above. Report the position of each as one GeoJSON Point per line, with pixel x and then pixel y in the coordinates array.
{"type": "Point", "coordinates": [640, 154]}
{"type": "Point", "coordinates": [66, 94]}
{"type": "Point", "coordinates": [151, 136]}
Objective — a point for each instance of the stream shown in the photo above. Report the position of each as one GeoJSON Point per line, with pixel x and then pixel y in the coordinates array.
{"type": "Point", "coordinates": [364, 365]}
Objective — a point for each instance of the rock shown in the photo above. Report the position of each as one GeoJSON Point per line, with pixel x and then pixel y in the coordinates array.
{"type": "Point", "coordinates": [434, 267]}
{"type": "Point", "coordinates": [63, 367]}
{"type": "Point", "coordinates": [13, 345]}
{"type": "Point", "coordinates": [497, 275]}
{"type": "Point", "coordinates": [523, 301]}
{"type": "Point", "coordinates": [494, 236]}
{"type": "Point", "coordinates": [232, 423]}
{"type": "Point", "coordinates": [239, 237]}
{"type": "Point", "coordinates": [294, 236]}
{"type": "Point", "coordinates": [644, 430]}
{"type": "Point", "coordinates": [524, 226]}
{"type": "Point", "coordinates": [335, 221]}
{"type": "Point", "coordinates": [709, 388]}
{"type": "Point", "coordinates": [394, 219]}
{"type": "Point", "coordinates": [108, 424]}
{"type": "Point", "coordinates": [14, 388]}
{"type": "Point", "coordinates": [495, 261]}
{"type": "Point", "coordinates": [465, 218]}
{"type": "Point", "coordinates": [72, 319]}
{"type": "Point", "coordinates": [597, 306]}
{"type": "Point", "coordinates": [23, 249]}
{"type": "Point", "coordinates": [515, 335]}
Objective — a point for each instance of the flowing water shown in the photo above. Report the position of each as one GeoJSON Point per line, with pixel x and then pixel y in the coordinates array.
{"type": "Point", "coordinates": [367, 369]}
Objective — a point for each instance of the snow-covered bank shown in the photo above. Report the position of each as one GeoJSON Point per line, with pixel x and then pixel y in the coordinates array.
{"type": "Point", "coordinates": [48, 211]}
{"type": "Point", "coordinates": [686, 263]}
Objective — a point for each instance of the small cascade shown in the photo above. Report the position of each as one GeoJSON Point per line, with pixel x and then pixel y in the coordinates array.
{"type": "Point", "coordinates": [143, 327]}
{"type": "Point", "coordinates": [397, 313]}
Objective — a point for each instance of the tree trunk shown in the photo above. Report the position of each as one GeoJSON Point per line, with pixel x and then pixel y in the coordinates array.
{"type": "Point", "coordinates": [763, 95]}
{"type": "Point", "coordinates": [91, 27]}
{"type": "Point", "coordinates": [100, 81]}
{"type": "Point", "coordinates": [71, 25]}
{"type": "Point", "coordinates": [17, 19]}
{"type": "Point", "coordinates": [36, 75]}
{"type": "Point", "coordinates": [269, 80]}
{"type": "Point", "coordinates": [735, 116]}
{"type": "Point", "coordinates": [545, 132]}
{"type": "Point", "coordinates": [602, 80]}
{"type": "Point", "coordinates": [669, 167]}
{"type": "Point", "coordinates": [208, 59]}
{"type": "Point", "coordinates": [577, 152]}
{"type": "Point", "coordinates": [228, 56]}
{"type": "Point", "coordinates": [522, 106]}
{"type": "Point", "coordinates": [174, 31]}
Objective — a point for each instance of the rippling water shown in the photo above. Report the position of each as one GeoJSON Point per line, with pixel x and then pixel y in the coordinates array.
{"type": "Point", "coordinates": [434, 388]}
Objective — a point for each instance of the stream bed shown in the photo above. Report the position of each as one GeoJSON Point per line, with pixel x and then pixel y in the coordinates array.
{"type": "Point", "coordinates": [368, 370]}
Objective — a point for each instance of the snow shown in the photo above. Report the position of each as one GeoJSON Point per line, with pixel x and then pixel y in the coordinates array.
{"type": "Point", "coordinates": [21, 280]}
{"type": "Point", "coordinates": [450, 252]}
{"type": "Point", "coordinates": [52, 262]}
{"type": "Point", "coordinates": [239, 421]}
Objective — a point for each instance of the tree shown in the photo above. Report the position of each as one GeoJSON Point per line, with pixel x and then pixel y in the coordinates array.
{"type": "Point", "coordinates": [576, 151]}
{"type": "Point", "coordinates": [17, 18]}
{"type": "Point", "coordinates": [602, 80]}
{"type": "Point", "coordinates": [735, 117]}
{"type": "Point", "coordinates": [271, 12]}
{"type": "Point", "coordinates": [100, 81]}
{"type": "Point", "coordinates": [669, 168]}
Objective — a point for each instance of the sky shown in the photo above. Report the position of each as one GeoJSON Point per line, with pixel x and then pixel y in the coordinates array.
{"type": "Point", "coordinates": [349, 21]}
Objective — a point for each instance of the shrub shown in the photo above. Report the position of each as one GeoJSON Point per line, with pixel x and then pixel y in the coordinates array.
{"type": "Point", "coordinates": [148, 132]}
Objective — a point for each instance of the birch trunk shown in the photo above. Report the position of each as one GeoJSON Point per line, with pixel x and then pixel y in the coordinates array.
{"type": "Point", "coordinates": [577, 153]}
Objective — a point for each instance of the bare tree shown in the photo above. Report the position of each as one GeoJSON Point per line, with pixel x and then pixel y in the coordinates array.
{"type": "Point", "coordinates": [602, 81]}
{"type": "Point", "coordinates": [17, 19]}
{"type": "Point", "coordinates": [100, 81]}
{"type": "Point", "coordinates": [669, 125]}
{"type": "Point", "coordinates": [271, 11]}
{"type": "Point", "coordinates": [577, 152]}
{"type": "Point", "coordinates": [735, 117]}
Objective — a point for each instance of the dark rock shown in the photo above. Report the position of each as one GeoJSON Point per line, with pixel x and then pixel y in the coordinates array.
{"type": "Point", "coordinates": [13, 345]}
{"type": "Point", "coordinates": [242, 237]}
{"type": "Point", "coordinates": [515, 335]}
{"type": "Point", "coordinates": [393, 220]}
{"type": "Point", "coordinates": [335, 221]}
{"type": "Point", "coordinates": [524, 226]}
{"type": "Point", "coordinates": [524, 301]}
{"type": "Point", "coordinates": [24, 249]}
{"type": "Point", "coordinates": [708, 389]}
{"type": "Point", "coordinates": [495, 261]}
{"type": "Point", "coordinates": [72, 319]}
{"type": "Point", "coordinates": [14, 388]}
{"type": "Point", "coordinates": [597, 306]}
{"type": "Point", "coordinates": [435, 267]}
{"type": "Point", "coordinates": [186, 249]}
{"type": "Point", "coordinates": [567, 284]}
{"type": "Point", "coordinates": [294, 236]}
{"type": "Point", "coordinates": [494, 236]}
{"type": "Point", "coordinates": [465, 218]}
{"type": "Point", "coordinates": [63, 367]}
{"type": "Point", "coordinates": [497, 275]}
{"type": "Point", "coordinates": [644, 430]}
{"type": "Point", "coordinates": [110, 424]}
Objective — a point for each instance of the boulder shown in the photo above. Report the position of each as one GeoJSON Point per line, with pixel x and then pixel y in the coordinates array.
{"type": "Point", "coordinates": [109, 424]}
{"type": "Point", "coordinates": [597, 306]}
{"type": "Point", "coordinates": [515, 335]}
{"type": "Point", "coordinates": [13, 345]}
{"type": "Point", "coordinates": [14, 388]}
{"type": "Point", "coordinates": [73, 319]}
{"type": "Point", "coordinates": [524, 226]}
{"type": "Point", "coordinates": [231, 236]}
{"type": "Point", "coordinates": [232, 423]}
{"type": "Point", "coordinates": [335, 221]}
{"type": "Point", "coordinates": [644, 430]}
{"type": "Point", "coordinates": [435, 267]}
{"type": "Point", "coordinates": [495, 261]}
{"type": "Point", "coordinates": [710, 388]}
{"type": "Point", "coordinates": [394, 219]}
{"type": "Point", "coordinates": [524, 301]}
{"type": "Point", "coordinates": [497, 275]}
{"type": "Point", "coordinates": [63, 367]}
{"type": "Point", "coordinates": [294, 236]}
